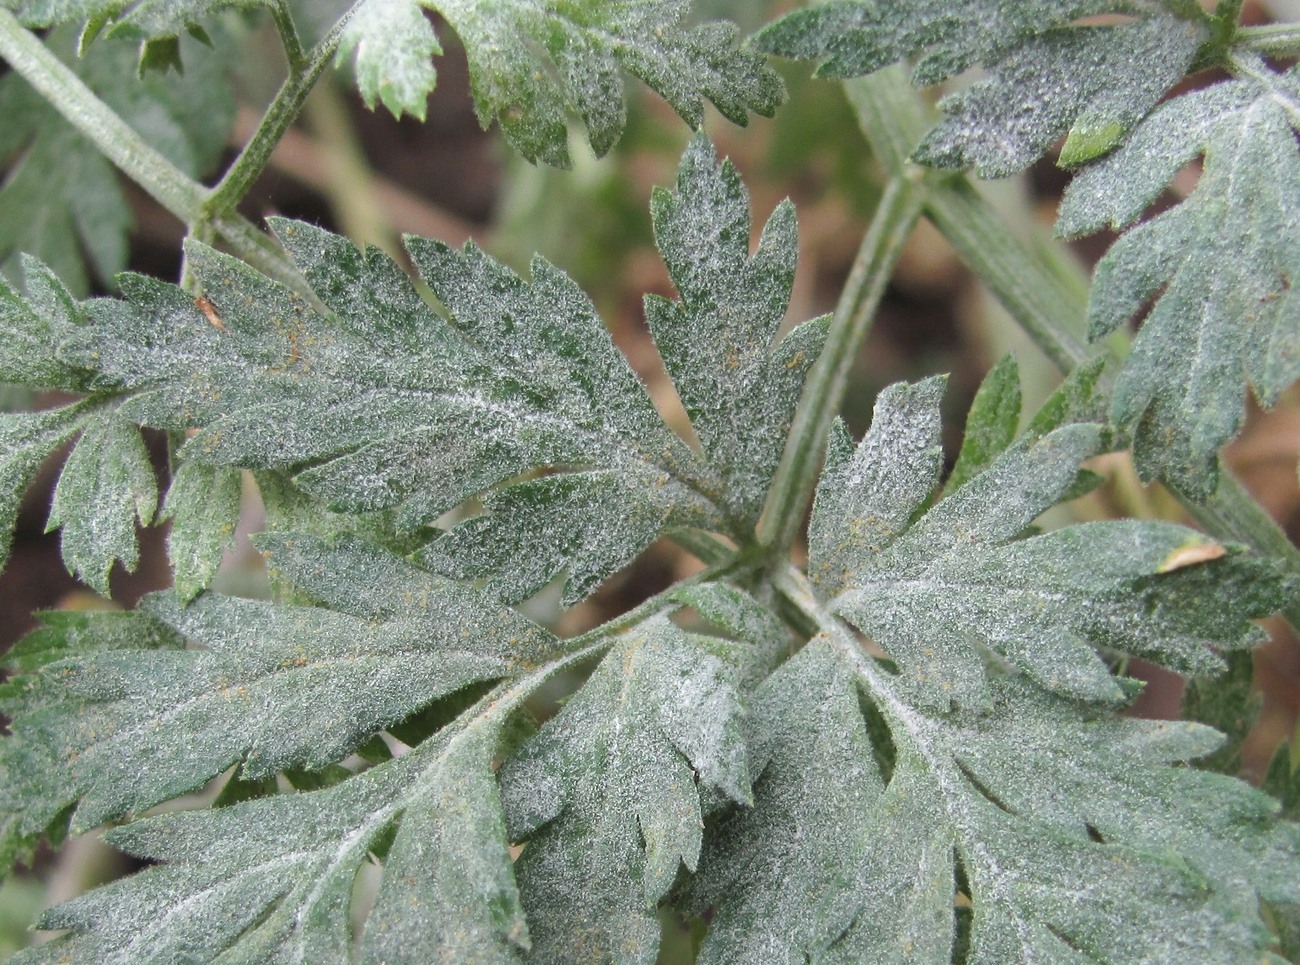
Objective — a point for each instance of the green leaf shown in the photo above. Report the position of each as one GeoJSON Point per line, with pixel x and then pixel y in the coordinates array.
{"type": "Point", "coordinates": [106, 485]}
{"type": "Point", "coordinates": [803, 839]}
{"type": "Point", "coordinates": [268, 686]}
{"type": "Point", "coordinates": [935, 592]}
{"type": "Point", "coordinates": [739, 388]}
{"type": "Point", "coordinates": [31, 330]}
{"type": "Point", "coordinates": [271, 879]}
{"type": "Point", "coordinates": [995, 414]}
{"type": "Point", "coordinates": [27, 439]}
{"type": "Point", "coordinates": [1049, 77]}
{"type": "Point", "coordinates": [60, 200]}
{"type": "Point", "coordinates": [532, 62]}
{"type": "Point", "coordinates": [991, 424]}
{"type": "Point", "coordinates": [203, 504]}
{"type": "Point", "coordinates": [152, 19]}
{"type": "Point", "coordinates": [1219, 266]}
{"type": "Point", "coordinates": [605, 795]}
{"type": "Point", "coordinates": [1070, 837]}
{"type": "Point", "coordinates": [381, 403]}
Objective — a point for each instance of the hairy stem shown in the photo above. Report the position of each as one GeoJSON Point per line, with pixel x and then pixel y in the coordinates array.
{"type": "Point", "coordinates": [118, 141]}
{"type": "Point", "coordinates": [796, 477]}
{"type": "Point", "coordinates": [288, 30]}
{"type": "Point", "coordinates": [1273, 40]}
{"type": "Point", "coordinates": [279, 117]}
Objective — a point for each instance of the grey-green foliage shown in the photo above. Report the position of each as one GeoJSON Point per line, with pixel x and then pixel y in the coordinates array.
{"type": "Point", "coordinates": [60, 200]}
{"type": "Point", "coordinates": [608, 794]}
{"type": "Point", "coordinates": [267, 686]}
{"type": "Point", "coordinates": [533, 62]}
{"type": "Point", "coordinates": [270, 880]}
{"type": "Point", "coordinates": [1000, 810]}
{"type": "Point", "coordinates": [152, 19]}
{"type": "Point", "coordinates": [1221, 266]}
{"type": "Point", "coordinates": [934, 588]}
{"type": "Point", "coordinates": [107, 482]}
{"type": "Point", "coordinates": [381, 403]}
{"type": "Point", "coordinates": [1049, 78]}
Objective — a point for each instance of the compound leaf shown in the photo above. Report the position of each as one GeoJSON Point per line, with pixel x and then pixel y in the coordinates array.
{"type": "Point", "coordinates": [803, 838]}
{"type": "Point", "coordinates": [1220, 265]}
{"type": "Point", "coordinates": [532, 62]}
{"type": "Point", "coordinates": [605, 794]}
{"type": "Point", "coordinates": [739, 388]}
{"type": "Point", "coordinates": [1049, 77]}
{"type": "Point", "coordinates": [265, 685]}
{"type": "Point", "coordinates": [271, 879]}
{"type": "Point", "coordinates": [935, 590]}
{"type": "Point", "coordinates": [1069, 836]}
{"type": "Point", "coordinates": [379, 402]}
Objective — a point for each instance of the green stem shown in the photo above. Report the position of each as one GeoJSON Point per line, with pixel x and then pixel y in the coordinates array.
{"type": "Point", "coordinates": [1273, 40]}
{"type": "Point", "coordinates": [796, 477]}
{"type": "Point", "coordinates": [171, 187]}
{"type": "Point", "coordinates": [288, 30]}
{"type": "Point", "coordinates": [141, 162]}
{"type": "Point", "coordinates": [1045, 294]}
{"type": "Point", "coordinates": [892, 116]}
{"type": "Point", "coordinates": [279, 117]}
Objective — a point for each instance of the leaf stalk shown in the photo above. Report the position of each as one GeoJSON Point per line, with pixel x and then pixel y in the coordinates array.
{"type": "Point", "coordinates": [796, 477]}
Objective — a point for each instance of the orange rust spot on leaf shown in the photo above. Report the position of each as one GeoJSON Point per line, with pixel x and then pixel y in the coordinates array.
{"type": "Point", "coordinates": [204, 304]}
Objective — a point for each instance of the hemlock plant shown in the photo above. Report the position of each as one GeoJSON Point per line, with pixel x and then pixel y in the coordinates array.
{"type": "Point", "coordinates": [910, 749]}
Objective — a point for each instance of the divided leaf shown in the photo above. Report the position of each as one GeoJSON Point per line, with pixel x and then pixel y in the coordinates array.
{"type": "Point", "coordinates": [606, 794]}
{"type": "Point", "coordinates": [738, 386]}
{"type": "Point", "coordinates": [272, 879]}
{"type": "Point", "coordinates": [128, 710]}
{"type": "Point", "coordinates": [935, 590]}
{"type": "Point", "coordinates": [532, 62]}
{"type": "Point", "coordinates": [1049, 77]}
{"type": "Point", "coordinates": [381, 403]}
{"type": "Point", "coordinates": [802, 840]}
{"type": "Point", "coordinates": [106, 485]}
{"type": "Point", "coordinates": [1069, 838]}
{"type": "Point", "coordinates": [60, 199]}
{"type": "Point", "coordinates": [1220, 267]}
